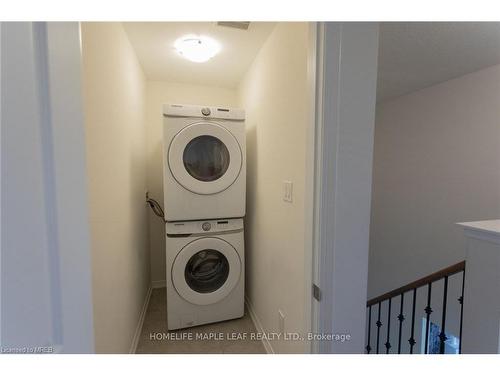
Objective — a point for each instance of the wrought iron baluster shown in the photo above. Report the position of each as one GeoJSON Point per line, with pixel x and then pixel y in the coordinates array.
{"type": "Point", "coordinates": [368, 347]}
{"type": "Point", "coordinates": [442, 334]}
{"type": "Point", "coordinates": [400, 318]}
{"type": "Point", "coordinates": [379, 324]}
{"type": "Point", "coordinates": [461, 301]}
{"type": "Point", "coordinates": [387, 343]}
{"type": "Point", "coordinates": [412, 337]}
{"type": "Point", "coordinates": [443, 274]}
{"type": "Point", "coordinates": [428, 312]}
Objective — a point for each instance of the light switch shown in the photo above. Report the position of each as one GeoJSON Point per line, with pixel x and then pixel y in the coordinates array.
{"type": "Point", "coordinates": [287, 191]}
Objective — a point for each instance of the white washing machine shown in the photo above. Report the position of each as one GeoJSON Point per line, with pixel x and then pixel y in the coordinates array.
{"type": "Point", "coordinates": [205, 272]}
{"type": "Point", "coordinates": [204, 162]}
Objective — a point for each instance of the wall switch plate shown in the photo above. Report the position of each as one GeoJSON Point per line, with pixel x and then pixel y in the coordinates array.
{"type": "Point", "coordinates": [288, 191]}
{"type": "Point", "coordinates": [281, 322]}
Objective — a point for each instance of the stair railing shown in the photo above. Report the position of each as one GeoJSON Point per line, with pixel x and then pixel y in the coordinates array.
{"type": "Point", "coordinates": [411, 291]}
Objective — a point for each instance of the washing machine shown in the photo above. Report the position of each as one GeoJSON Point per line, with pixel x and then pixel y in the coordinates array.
{"type": "Point", "coordinates": [205, 272]}
{"type": "Point", "coordinates": [204, 163]}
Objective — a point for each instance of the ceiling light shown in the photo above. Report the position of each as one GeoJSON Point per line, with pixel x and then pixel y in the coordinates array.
{"type": "Point", "coordinates": [197, 48]}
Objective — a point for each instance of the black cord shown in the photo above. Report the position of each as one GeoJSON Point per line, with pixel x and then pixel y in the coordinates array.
{"type": "Point", "coordinates": [155, 206]}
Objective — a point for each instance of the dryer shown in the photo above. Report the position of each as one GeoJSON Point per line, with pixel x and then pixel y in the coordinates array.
{"type": "Point", "coordinates": [204, 163]}
{"type": "Point", "coordinates": [205, 272]}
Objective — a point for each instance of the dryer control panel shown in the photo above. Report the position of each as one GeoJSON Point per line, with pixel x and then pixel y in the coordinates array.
{"type": "Point", "coordinates": [204, 226]}
{"type": "Point", "coordinates": [184, 110]}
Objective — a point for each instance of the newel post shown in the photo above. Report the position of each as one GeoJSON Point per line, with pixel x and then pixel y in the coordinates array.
{"type": "Point", "coordinates": [481, 302]}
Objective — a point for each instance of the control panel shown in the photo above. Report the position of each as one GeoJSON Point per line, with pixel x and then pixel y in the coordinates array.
{"type": "Point", "coordinates": [204, 226]}
{"type": "Point", "coordinates": [181, 110]}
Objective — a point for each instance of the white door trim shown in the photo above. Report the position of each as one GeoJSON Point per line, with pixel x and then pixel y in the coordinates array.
{"type": "Point", "coordinates": [345, 112]}
{"type": "Point", "coordinates": [310, 181]}
{"type": "Point", "coordinates": [47, 245]}
{"type": "Point", "coordinates": [320, 183]}
{"type": "Point", "coordinates": [67, 115]}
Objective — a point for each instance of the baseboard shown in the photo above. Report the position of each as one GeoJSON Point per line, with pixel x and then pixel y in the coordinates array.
{"type": "Point", "coordinates": [258, 325]}
{"type": "Point", "coordinates": [158, 284]}
{"type": "Point", "coordinates": [138, 329]}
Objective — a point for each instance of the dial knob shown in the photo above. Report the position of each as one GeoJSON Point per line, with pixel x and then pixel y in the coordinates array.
{"type": "Point", "coordinates": [206, 226]}
{"type": "Point", "coordinates": [205, 111]}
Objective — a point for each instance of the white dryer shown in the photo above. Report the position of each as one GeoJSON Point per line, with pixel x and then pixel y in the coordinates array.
{"type": "Point", "coordinates": [204, 163]}
{"type": "Point", "coordinates": [205, 272]}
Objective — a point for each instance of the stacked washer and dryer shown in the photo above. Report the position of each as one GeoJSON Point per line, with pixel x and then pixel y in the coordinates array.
{"type": "Point", "coordinates": [204, 179]}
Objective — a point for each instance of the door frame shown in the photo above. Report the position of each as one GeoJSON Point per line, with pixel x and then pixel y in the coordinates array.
{"type": "Point", "coordinates": [313, 56]}
{"type": "Point", "coordinates": [51, 267]}
{"type": "Point", "coordinates": [343, 113]}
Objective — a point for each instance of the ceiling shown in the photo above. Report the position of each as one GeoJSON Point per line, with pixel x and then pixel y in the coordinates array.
{"type": "Point", "coordinates": [416, 55]}
{"type": "Point", "coordinates": [412, 55]}
{"type": "Point", "coordinates": [153, 43]}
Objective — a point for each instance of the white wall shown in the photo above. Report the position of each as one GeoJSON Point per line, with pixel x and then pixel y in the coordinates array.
{"type": "Point", "coordinates": [274, 93]}
{"type": "Point", "coordinates": [114, 93]}
{"type": "Point", "coordinates": [436, 162]}
{"type": "Point", "coordinates": [157, 94]}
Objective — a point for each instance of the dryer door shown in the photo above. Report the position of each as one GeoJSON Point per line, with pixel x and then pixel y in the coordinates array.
{"type": "Point", "coordinates": [205, 158]}
{"type": "Point", "coordinates": [206, 270]}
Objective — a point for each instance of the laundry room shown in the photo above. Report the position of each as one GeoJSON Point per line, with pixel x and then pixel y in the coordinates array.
{"type": "Point", "coordinates": [199, 154]}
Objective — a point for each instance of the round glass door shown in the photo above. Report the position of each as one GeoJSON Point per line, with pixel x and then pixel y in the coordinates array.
{"type": "Point", "coordinates": [206, 271]}
{"type": "Point", "coordinates": [206, 158]}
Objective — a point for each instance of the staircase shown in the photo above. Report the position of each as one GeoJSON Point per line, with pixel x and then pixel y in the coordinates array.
{"type": "Point", "coordinates": [424, 316]}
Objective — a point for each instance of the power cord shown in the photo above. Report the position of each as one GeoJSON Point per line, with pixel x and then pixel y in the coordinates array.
{"type": "Point", "coordinates": [155, 206]}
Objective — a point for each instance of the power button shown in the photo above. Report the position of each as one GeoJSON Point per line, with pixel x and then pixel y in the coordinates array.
{"type": "Point", "coordinates": [206, 226]}
{"type": "Point", "coordinates": [205, 111]}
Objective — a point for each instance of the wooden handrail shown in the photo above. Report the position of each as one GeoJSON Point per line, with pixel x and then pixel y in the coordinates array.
{"type": "Point", "coordinates": [448, 271]}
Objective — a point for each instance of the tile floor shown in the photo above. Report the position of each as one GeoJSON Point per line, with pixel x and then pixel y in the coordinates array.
{"type": "Point", "coordinates": [156, 322]}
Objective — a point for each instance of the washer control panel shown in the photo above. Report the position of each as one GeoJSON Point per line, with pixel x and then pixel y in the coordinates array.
{"type": "Point", "coordinates": [203, 226]}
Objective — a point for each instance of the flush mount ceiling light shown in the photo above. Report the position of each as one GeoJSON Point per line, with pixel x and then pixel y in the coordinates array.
{"type": "Point", "coordinates": [197, 48]}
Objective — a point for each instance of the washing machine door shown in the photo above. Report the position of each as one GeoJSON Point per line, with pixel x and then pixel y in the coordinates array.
{"type": "Point", "coordinates": [205, 158]}
{"type": "Point", "coordinates": [206, 270]}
